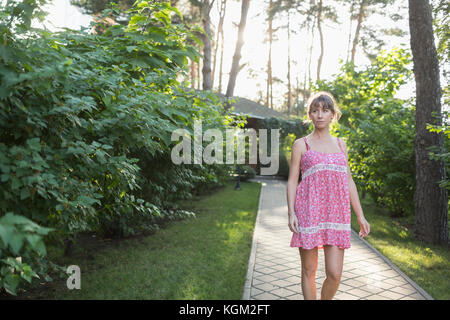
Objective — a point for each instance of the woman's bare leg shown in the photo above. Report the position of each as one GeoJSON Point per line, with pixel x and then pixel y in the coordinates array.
{"type": "Point", "coordinates": [334, 260]}
{"type": "Point", "coordinates": [309, 267]}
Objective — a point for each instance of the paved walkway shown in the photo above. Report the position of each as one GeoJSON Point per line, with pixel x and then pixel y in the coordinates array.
{"type": "Point", "coordinates": [274, 267]}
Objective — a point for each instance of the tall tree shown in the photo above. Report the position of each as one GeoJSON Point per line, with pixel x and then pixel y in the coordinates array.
{"type": "Point", "coordinates": [289, 97]}
{"type": "Point", "coordinates": [222, 10]}
{"type": "Point", "coordinates": [305, 13]}
{"type": "Point", "coordinates": [269, 95]}
{"type": "Point", "coordinates": [369, 38]}
{"type": "Point", "coordinates": [319, 27]}
{"type": "Point", "coordinates": [323, 13]}
{"type": "Point", "coordinates": [441, 25]}
{"type": "Point", "coordinates": [430, 200]}
{"type": "Point", "coordinates": [306, 91]}
{"type": "Point", "coordinates": [287, 6]}
{"type": "Point", "coordinates": [97, 6]}
{"type": "Point", "coordinates": [280, 7]}
{"type": "Point", "coordinates": [237, 52]}
{"type": "Point", "coordinates": [205, 9]}
{"type": "Point", "coordinates": [192, 17]}
{"type": "Point", "coordinates": [352, 7]}
{"type": "Point", "coordinates": [361, 16]}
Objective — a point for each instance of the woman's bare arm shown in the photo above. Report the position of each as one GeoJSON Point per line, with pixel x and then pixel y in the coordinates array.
{"type": "Point", "coordinates": [354, 199]}
{"type": "Point", "coordinates": [298, 148]}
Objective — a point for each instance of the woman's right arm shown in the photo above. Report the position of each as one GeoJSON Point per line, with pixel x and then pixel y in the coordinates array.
{"type": "Point", "coordinates": [291, 189]}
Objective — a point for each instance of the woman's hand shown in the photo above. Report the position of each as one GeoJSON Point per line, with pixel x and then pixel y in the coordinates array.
{"type": "Point", "coordinates": [364, 227]}
{"type": "Point", "coordinates": [293, 223]}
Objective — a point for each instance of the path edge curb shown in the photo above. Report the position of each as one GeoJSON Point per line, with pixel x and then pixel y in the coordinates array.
{"type": "Point", "coordinates": [252, 258]}
{"type": "Point", "coordinates": [393, 266]}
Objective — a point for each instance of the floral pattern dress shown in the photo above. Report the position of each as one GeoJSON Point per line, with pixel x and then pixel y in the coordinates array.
{"type": "Point", "coordinates": [322, 202]}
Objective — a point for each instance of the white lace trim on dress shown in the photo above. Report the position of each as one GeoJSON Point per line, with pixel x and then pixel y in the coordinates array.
{"type": "Point", "coordinates": [325, 225]}
{"type": "Point", "coordinates": [325, 166]}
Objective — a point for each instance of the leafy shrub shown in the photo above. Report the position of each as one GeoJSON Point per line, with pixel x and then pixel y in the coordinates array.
{"type": "Point", "coordinates": [82, 113]}
{"type": "Point", "coordinates": [245, 172]}
{"type": "Point", "coordinates": [22, 252]}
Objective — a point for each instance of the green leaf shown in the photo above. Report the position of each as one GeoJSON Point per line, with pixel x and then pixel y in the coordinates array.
{"type": "Point", "coordinates": [12, 219]}
{"type": "Point", "coordinates": [24, 193]}
{"type": "Point", "coordinates": [34, 144]}
{"type": "Point", "coordinates": [33, 239]}
{"type": "Point", "coordinates": [11, 282]}
{"type": "Point", "coordinates": [6, 233]}
{"type": "Point", "coordinates": [87, 201]}
{"type": "Point", "coordinates": [130, 48]}
{"type": "Point", "coordinates": [40, 248]}
{"type": "Point", "coordinates": [16, 243]}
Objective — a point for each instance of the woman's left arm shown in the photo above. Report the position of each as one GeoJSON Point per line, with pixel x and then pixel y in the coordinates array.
{"type": "Point", "coordinates": [354, 199]}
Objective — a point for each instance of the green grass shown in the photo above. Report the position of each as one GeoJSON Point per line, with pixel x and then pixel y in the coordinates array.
{"type": "Point", "coordinates": [427, 265]}
{"type": "Point", "coordinates": [205, 257]}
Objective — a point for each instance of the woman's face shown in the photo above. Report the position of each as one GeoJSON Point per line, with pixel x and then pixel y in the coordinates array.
{"type": "Point", "coordinates": [321, 117]}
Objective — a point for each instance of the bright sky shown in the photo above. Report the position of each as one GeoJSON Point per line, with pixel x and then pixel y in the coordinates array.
{"type": "Point", "coordinates": [62, 14]}
{"type": "Point", "coordinates": [255, 51]}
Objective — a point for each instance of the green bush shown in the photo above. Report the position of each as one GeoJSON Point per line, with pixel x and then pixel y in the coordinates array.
{"type": "Point", "coordinates": [245, 172]}
{"type": "Point", "coordinates": [22, 252]}
{"type": "Point", "coordinates": [87, 120]}
{"type": "Point", "coordinates": [289, 131]}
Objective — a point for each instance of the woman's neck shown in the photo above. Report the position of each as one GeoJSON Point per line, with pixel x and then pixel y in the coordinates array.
{"type": "Point", "coordinates": [321, 134]}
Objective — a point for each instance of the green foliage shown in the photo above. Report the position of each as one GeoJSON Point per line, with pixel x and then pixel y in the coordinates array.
{"type": "Point", "coordinates": [443, 154]}
{"type": "Point", "coordinates": [286, 127]}
{"type": "Point", "coordinates": [289, 130]}
{"type": "Point", "coordinates": [378, 128]}
{"type": "Point", "coordinates": [97, 6]}
{"type": "Point", "coordinates": [87, 120]}
{"type": "Point", "coordinates": [22, 252]}
{"type": "Point", "coordinates": [16, 16]}
{"type": "Point", "coordinates": [440, 9]}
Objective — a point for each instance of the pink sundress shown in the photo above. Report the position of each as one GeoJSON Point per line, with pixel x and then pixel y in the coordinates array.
{"type": "Point", "coordinates": [322, 202]}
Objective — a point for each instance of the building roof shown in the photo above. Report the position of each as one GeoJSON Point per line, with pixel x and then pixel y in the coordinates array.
{"type": "Point", "coordinates": [244, 106]}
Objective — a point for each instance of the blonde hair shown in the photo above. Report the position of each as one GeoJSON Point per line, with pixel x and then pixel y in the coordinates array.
{"type": "Point", "coordinates": [327, 101]}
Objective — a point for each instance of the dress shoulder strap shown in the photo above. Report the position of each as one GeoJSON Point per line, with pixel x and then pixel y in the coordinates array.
{"type": "Point", "coordinates": [307, 146]}
{"type": "Point", "coordinates": [339, 142]}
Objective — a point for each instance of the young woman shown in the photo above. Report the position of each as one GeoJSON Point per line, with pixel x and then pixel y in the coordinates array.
{"type": "Point", "coordinates": [319, 206]}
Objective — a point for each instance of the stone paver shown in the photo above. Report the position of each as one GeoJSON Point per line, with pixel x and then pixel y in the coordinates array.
{"type": "Point", "coordinates": [274, 267]}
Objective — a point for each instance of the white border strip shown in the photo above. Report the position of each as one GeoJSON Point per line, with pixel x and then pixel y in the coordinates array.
{"type": "Point", "coordinates": [324, 166]}
{"type": "Point", "coordinates": [324, 226]}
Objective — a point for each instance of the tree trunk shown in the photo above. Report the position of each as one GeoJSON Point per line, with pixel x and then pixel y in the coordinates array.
{"type": "Point", "coordinates": [430, 200]}
{"type": "Point", "coordinates": [310, 57]}
{"type": "Point", "coordinates": [361, 14]}
{"type": "Point", "coordinates": [289, 97]}
{"type": "Point", "coordinates": [269, 63]}
{"type": "Point", "coordinates": [193, 64]}
{"type": "Point", "coordinates": [206, 21]}
{"type": "Point", "coordinates": [193, 77]}
{"type": "Point", "coordinates": [198, 73]}
{"type": "Point", "coordinates": [219, 33]}
{"type": "Point", "coordinates": [319, 18]}
{"type": "Point", "coordinates": [237, 52]}
{"type": "Point", "coordinates": [350, 30]}
{"type": "Point", "coordinates": [221, 60]}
